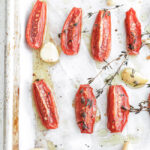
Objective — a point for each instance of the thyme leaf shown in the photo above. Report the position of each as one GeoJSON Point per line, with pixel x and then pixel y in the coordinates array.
{"type": "Point", "coordinates": [89, 103]}
{"type": "Point", "coordinates": [75, 24]}
{"type": "Point", "coordinates": [99, 92]}
{"type": "Point", "coordinates": [59, 35]}
{"type": "Point", "coordinates": [85, 31]}
{"type": "Point", "coordinates": [90, 14]}
{"type": "Point", "coordinates": [148, 85]}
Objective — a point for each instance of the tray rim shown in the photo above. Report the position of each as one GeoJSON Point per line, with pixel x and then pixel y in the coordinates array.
{"type": "Point", "coordinates": [11, 103]}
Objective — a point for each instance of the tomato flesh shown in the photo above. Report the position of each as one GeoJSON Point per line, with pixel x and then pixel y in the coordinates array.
{"type": "Point", "coordinates": [117, 116]}
{"type": "Point", "coordinates": [101, 36]}
{"type": "Point", "coordinates": [85, 108]}
{"type": "Point", "coordinates": [71, 32]}
{"type": "Point", "coordinates": [133, 33]}
{"type": "Point", "coordinates": [45, 104]}
{"type": "Point", "coordinates": [36, 25]}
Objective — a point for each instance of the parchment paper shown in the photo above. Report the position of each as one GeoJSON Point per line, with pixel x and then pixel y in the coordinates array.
{"type": "Point", "coordinates": [71, 71]}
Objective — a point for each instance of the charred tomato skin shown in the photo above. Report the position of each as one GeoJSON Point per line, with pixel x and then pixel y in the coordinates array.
{"type": "Point", "coordinates": [101, 36]}
{"type": "Point", "coordinates": [117, 117]}
{"type": "Point", "coordinates": [85, 108]}
{"type": "Point", "coordinates": [45, 104]}
{"type": "Point", "coordinates": [133, 33]}
{"type": "Point", "coordinates": [71, 32]}
{"type": "Point", "coordinates": [36, 25]}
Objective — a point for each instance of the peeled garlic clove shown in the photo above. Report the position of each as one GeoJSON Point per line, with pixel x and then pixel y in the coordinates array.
{"type": "Point", "coordinates": [49, 53]}
{"type": "Point", "coordinates": [133, 78]}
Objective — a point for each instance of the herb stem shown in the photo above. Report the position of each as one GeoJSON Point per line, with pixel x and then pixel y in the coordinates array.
{"type": "Point", "coordinates": [146, 33]}
{"type": "Point", "coordinates": [110, 79]}
{"type": "Point", "coordinates": [117, 6]}
{"type": "Point", "coordinates": [141, 105]}
{"type": "Point", "coordinates": [145, 44]}
{"type": "Point", "coordinates": [90, 14]}
{"type": "Point", "coordinates": [90, 80]}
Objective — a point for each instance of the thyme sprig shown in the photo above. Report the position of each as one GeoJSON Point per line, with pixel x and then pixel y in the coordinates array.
{"type": "Point", "coordinates": [148, 85]}
{"type": "Point", "coordinates": [146, 33]}
{"type": "Point", "coordinates": [115, 7]}
{"type": "Point", "coordinates": [90, 14]}
{"type": "Point", "coordinates": [108, 65]}
{"type": "Point", "coordinates": [109, 80]}
{"type": "Point", "coordinates": [141, 107]}
{"type": "Point", "coordinates": [144, 44]}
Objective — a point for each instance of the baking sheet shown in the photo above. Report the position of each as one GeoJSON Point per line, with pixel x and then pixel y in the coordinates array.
{"type": "Point", "coordinates": [23, 130]}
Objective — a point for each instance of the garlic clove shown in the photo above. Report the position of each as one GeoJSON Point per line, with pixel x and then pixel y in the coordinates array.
{"type": "Point", "coordinates": [49, 53]}
{"type": "Point", "coordinates": [133, 78]}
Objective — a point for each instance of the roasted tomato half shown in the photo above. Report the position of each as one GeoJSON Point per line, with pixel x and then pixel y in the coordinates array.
{"type": "Point", "coordinates": [101, 36]}
{"type": "Point", "coordinates": [45, 104]}
{"type": "Point", "coordinates": [71, 32]}
{"type": "Point", "coordinates": [36, 25]}
{"type": "Point", "coordinates": [117, 100]}
{"type": "Point", "coordinates": [133, 32]}
{"type": "Point", "coordinates": [85, 108]}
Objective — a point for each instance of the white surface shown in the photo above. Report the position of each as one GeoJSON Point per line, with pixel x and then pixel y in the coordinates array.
{"type": "Point", "coordinates": [72, 71]}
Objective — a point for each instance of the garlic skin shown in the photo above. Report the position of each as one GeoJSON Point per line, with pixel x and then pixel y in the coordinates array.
{"type": "Point", "coordinates": [133, 78]}
{"type": "Point", "coordinates": [49, 53]}
{"type": "Point", "coordinates": [110, 2]}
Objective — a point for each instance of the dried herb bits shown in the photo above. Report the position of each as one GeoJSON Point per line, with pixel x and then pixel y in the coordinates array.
{"type": "Point", "coordinates": [85, 108]}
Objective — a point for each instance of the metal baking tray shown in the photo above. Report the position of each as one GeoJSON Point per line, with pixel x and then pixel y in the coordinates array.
{"type": "Point", "coordinates": [23, 130]}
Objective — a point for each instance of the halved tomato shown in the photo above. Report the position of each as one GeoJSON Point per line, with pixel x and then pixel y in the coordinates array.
{"type": "Point", "coordinates": [36, 25]}
{"type": "Point", "coordinates": [117, 100]}
{"type": "Point", "coordinates": [85, 108]}
{"type": "Point", "coordinates": [45, 104]}
{"type": "Point", "coordinates": [133, 32]}
{"type": "Point", "coordinates": [71, 32]}
{"type": "Point", "coordinates": [101, 36]}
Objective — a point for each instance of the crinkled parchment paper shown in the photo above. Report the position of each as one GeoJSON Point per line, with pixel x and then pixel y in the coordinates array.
{"type": "Point", "coordinates": [71, 71]}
